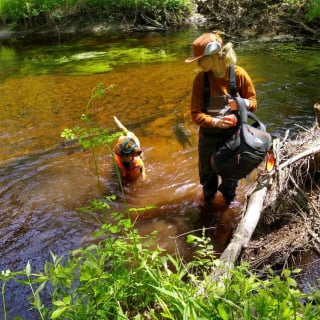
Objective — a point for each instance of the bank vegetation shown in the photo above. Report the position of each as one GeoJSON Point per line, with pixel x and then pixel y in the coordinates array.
{"type": "Point", "coordinates": [253, 17]}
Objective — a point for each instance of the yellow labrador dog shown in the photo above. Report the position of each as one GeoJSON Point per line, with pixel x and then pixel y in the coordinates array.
{"type": "Point", "coordinates": [127, 154]}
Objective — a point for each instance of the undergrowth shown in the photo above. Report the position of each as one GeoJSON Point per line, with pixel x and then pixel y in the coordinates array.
{"type": "Point", "coordinates": [121, 277]}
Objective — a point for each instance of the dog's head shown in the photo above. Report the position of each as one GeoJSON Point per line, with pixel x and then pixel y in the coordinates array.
{"type": "Point", "coordinates": [127, 149]}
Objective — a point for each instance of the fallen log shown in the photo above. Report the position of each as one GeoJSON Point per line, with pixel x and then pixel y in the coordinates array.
{"type": "Point", "coordinates": [245, 229]}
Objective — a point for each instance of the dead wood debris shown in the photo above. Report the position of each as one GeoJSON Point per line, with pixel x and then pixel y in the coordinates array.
{"type": "Point", "coordinates": [290, 222]}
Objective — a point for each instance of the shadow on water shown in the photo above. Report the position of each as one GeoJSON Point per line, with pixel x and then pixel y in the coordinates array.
{"type": "Point", "coordinates": [45, 89]}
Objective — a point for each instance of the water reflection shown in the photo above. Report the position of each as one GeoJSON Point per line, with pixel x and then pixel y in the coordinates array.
{"type": "Point", "coordinates": [43, 181]}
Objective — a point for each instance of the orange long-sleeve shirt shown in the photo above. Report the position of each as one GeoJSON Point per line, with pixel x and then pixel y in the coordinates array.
{"type": "Point", "coordinates": [218, 87]}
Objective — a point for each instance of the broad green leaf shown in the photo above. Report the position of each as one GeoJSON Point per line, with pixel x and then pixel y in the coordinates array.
{"type": "Point", "coordinates": [222, 312]}
{"type": "Point", "coordinates": [59, 303]}
{"type": "Point", "coordinates": [292, 282]}
{"type": "Point", "coordinates": [58, 312]}
{"type": "Point", "coordinates": [286, 273]}
{"type": "Point", "coordinates": [40, 288]}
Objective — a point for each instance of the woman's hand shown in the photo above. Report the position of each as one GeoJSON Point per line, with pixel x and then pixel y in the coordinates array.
{"type": "Point", "coordinates": [225, 122]}
{"type": "Point", "coordinates": [233, 104]}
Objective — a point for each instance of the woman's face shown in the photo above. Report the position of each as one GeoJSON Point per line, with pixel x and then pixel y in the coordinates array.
{"type": "Point", "coordinates": [214, 63]}
{"type": "Point", "coordinates": [205, 63]}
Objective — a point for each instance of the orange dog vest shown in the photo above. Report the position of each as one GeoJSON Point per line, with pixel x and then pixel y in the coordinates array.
{"type": "Point", "coordinates": [133, 168]}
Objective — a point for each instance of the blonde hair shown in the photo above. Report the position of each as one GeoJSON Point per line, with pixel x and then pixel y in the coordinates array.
{"type": "Point", "coordinates": [221, 59]}
{"type": "Point", "coordinates": [228, 54]}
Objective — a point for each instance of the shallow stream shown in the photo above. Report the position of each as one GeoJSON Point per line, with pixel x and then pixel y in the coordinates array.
{"type": "Point", "coordinates": [45, 89]}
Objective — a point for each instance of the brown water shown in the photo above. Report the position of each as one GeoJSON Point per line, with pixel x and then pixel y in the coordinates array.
{"type": "Point", "coordinates": [43, 181]}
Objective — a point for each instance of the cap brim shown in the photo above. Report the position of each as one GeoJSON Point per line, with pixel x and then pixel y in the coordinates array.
{"type": "Point", "coordinates": [191, 59]}
{"type": "Point", "coordinates": [211, 48]}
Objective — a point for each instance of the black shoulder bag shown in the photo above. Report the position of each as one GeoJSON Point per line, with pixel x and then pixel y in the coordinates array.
{"type": "Point", "coordinates": [247, 147]}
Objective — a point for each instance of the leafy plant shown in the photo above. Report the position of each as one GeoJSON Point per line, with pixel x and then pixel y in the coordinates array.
{"type": "Point", "coordinates": [91, 136]}
{"type": "Point", "coordinates": [313, 10]}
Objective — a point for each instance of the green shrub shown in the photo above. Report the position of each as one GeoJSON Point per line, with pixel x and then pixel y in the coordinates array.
{"type": "Point", "coordinates": [19, 10]}
{"type": "Point", "coordinates": [313, 10]}
{"type": "Point", "coordinates": [35, 12]}
{"type": "Point", "coordinates": [309, 9]}
{"type": "Point", "coordinates": [124, 276]}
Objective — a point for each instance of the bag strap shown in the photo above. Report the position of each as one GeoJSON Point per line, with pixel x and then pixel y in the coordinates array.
{"type": "Point", "coordinates": [242, 110]}
{"type": "Point", "coordinates": [245, 114]}
{"type": "Point", "coordinates": [206, 93]}
{"type": "Point", "coordinates": [232, 79]}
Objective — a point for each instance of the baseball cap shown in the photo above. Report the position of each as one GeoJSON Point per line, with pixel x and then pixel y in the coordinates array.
{"type": "Point", "coordinates": [205, 45]}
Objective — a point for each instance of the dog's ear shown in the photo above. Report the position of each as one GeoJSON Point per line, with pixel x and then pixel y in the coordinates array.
{"type": "Point", "coordinates": [117, 146]}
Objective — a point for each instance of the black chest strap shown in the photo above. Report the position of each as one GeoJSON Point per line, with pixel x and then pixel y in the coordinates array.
{"type": "Point", "coordinates": [206, 92]}
{"type": "Point", "coordinates": [232, 79]}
